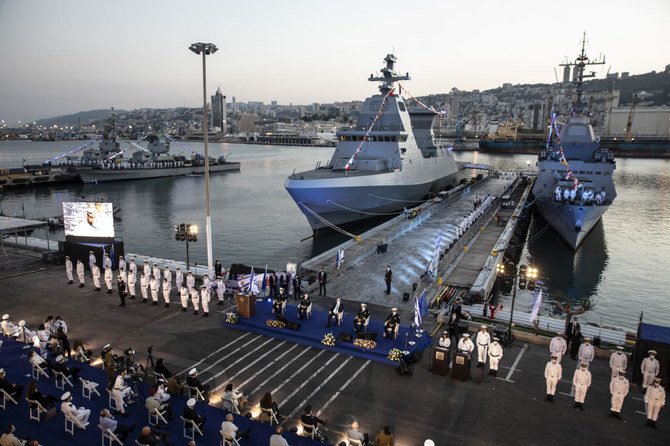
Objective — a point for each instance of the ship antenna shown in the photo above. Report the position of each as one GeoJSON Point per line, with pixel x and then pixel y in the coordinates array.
{"type": "Point", "coordinates": [578, 74]}
{"type": "Point", "coordinates": [389, 76]}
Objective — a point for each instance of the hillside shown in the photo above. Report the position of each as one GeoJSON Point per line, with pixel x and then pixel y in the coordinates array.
{"type": "Point", "coordinates": [83, 117]}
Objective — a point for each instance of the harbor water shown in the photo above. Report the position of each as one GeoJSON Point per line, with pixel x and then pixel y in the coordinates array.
{"type": "Point", "coordinates": [620, 268]}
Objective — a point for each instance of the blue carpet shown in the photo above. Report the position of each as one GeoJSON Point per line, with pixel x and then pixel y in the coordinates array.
{"type": "Point", "coordinates": [52, 433]}
{"type": "Point", "coordinates": [312, 331]}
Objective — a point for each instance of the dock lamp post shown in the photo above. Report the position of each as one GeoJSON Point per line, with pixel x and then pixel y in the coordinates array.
{"type": "Point", "coordinates": [206, 49]}
{"type": "Point", "coordinates": [524, 277]}
{"type": "Point", "coordinates": [186, 233]}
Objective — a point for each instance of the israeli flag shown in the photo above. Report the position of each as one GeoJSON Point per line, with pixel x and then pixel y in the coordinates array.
{"type": "Point", "coordinates": [340, 258]}
{"type": "Point", "coordinates": [417, 312]}
{"type": "Point", "coordinates": [536, 307]}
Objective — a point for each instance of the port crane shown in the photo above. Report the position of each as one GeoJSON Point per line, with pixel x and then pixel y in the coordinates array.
{"type": "Point", "coordinates": [628, 135]}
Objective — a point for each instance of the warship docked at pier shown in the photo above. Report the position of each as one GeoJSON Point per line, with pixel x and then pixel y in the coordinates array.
{"type": "Point", "coordinates": [572, 207]}
{"type": "Point", "coordinates": [106, 162]}
{"type": "Point", "coordinates": [387, 162]}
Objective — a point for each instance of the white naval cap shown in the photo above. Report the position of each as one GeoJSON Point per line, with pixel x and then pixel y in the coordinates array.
{"type": "Point", "coordinates": [65, 396]}
{"type": "Point", "coordinates": [22, 323]}
{"type": "Point", "coordinates": [106, 346]}
{"type": "Point", "coordinates": [620, 348]}
{"type": "Point", "coordinates": [192, 372]}
{"type": "Point", "coordinates": [482, 327]}
{"type": "Point", "coordinates": [5, 317]}
{"type": "Point", "coordinates": [466, 335]}
{"type": "Point", "coordinates": [2, 371]}
{"type": "Point", "coordinates": [190, 402]}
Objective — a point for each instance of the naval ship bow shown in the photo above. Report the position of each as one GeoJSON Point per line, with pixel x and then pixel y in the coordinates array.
{"type": "Point", "coordinates": [387, 162]}
{"type": "Point", "coordinates": [574, 186]}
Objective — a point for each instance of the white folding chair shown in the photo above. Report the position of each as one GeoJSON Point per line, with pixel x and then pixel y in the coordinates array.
{"type": "Point", "coordinates": [228, 440]}
{"type": "Point", "coordinates": [72, 423]}
{"type": "Point", "coordinates": [35, 409]}
{"type": "Point", "coordinates": [7, 398]}
{"type": "Point", "coordinates": [194, 392]}
{"type": "Point", "coordinates": [109, 435]}
{"type": "Point", "coordinates": [62, 380]}
{"type": "Point", "coordinates": [112, 400]}
{"type": "Point", "coordinates": [271, 415]}
{"type": "Point", "coordinates": [39, 371]}
{"type": "Point", "coordinates": [308, 430]}
{"type": "Point", "coordinates": [309, 311]}
{"type": "Point", "coordinates": [340, 317]}
{"type": "Point", "coordinates": [190, 429]}
{"type": "Point", "coordinates": [88, 388]}
{"type": "Point", "coordinates": [137, 442]}
{"type": "Point", "coordinates": [230, 406]}
{"type": "Point", "coordinates": [157, 416]}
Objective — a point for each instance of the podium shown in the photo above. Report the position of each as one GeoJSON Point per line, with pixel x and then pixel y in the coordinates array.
{"type": "Point", "coordinates": [461, 366]}
{"type": "Point", "coordinates": [439, 361]}
{"type": "Point", "coordinates": [246, 306]}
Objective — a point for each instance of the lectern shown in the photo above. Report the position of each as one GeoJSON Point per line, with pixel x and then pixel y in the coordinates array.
{"type": "Point", "coordinates": [461, 366]}
{"type": "Point", "coordinates": [246, 306]}
{"type": "Point", "coordinates": [440, 361]}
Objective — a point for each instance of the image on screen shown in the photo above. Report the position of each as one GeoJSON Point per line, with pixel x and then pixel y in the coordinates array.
{"type": "Point", "coordinates": [89, 220]}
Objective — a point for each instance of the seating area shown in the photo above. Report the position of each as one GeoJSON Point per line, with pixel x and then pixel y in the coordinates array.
{"type": "Point", "coordinates": [89, 391]}
{"type": "Point", "coordinates": [313, 329]}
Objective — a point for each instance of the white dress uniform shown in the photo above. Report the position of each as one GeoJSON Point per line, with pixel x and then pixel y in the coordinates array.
{"type": "Point", "coordinates": [108, 279]}
{"type": "Point", "coordinates": [654, 398]}
{"type": "Point", "coordinates": [444, 342]}
{"type": "Point", "coordinates": [80, 272]}
{"type": "Point", "coordinates": [195, 300]}
{"type": "Point", "coordinates": [204, 299]}
{"type": "Point", "coordinates": [495, 355]}
{"type": "Point", "coordinates": [132, 267]}
{"type": "Point", "coordinates": [650, 368]}
{"type": "Point", "coordinates": [91, 261]}
{"type": "Point", "coordinates": [483, 342]}
{"type": "Point", "coordinates": [465, 345]}
{"type": "Point", "coordinates": [161, 394]}
{"type": "Point", "coordinates": [207, 282]}
{"type": "Point", "coordinates": [582, 381]}
{"type": "Point", "coordinates": [178, 278]}
{"type": "Point", "coordinates": [619, 389]}
{"type": "Point", "coordinates": [73, 411]}
{"type": "Point", "coordinates": [183, 295]}
{"type": "Point", "coordinates": [220, 289]}
{"type": "Point", "coordinates": [106, 262]}
{"type": "Point", "coordinates": [96, 277]}
{"type": "Point", "coordinates": [132, 280]}
{"type": "Point", "coordinates": [618, 362]}
{"type": "Point", "coordinates": [166, 291]}
{"type": "Point", "coordinates": [124, 276]}
{"type": "Point", "coordinates": [147, 269]}
{"type": "Point", "coordinates": [153, 286]}
{"type": "Point", "coordinates": [586, 352]}
{"type": "Point", "coordinates": [190, 282]}
{"type": "Point", "coordinates": [68, 270]}
{"type": "Point", "coordinates": [553, 372]}
{"type": "Point", "coordinates": [122, 264]}
{"type": "Point", "coordinates": [167, 275]}
{"type": "Point", "coordinates": [144, 286]}
{"type": "Point", "coordinates": [558, 347]}
{"type": "Point", "coordinates": [121, 390]}
{"type": "Point", "coordinates": [156, 272]}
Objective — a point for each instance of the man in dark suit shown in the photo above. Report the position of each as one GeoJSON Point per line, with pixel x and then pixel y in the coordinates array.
{"type": "Point", "coordinates": [322, 277]}
{"type": "Point", "coordinates": [388, 276]}
{"type": "Point", "coordinates": [122, 291]}
{"type": "Point", "coordinates": [273, 284]}
{"type": "Point", "coordinates": [336, 311]}
{"type": "Point", "coordinates": [573, 334]}
{"type": "Point", "coordinates": [297, 286]}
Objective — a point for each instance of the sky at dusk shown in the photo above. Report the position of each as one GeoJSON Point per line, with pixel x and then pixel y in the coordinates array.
{"type": "Point", "coordinates": [60, 57]}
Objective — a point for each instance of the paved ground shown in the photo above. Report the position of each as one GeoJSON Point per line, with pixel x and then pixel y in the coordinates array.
{"type": "Point", "coordinates": [497, 411]}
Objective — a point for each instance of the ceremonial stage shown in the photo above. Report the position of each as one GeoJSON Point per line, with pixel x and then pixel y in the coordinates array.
{"type": "Point", "coordinates": [313, 330]}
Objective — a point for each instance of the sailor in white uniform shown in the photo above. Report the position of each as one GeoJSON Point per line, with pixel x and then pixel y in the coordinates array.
{"type": "Point", "coordinates": [650, 369]}
{"type": "Point", "coordinates": [553, 372]}
{"type": "Point", "coordinates": [178, 278]}
{"type": "Point", "coordinates": [190, 282]}
{"type": "Point", "coordinates": [444, 341]}
{"type": "Point", "coordinates": [618, 362]}
{"type": "Point", "coordinates": [195, 300]}
{"type": "Point", "coordinates": [96, 277]}
{"type": "Point", "coordinates": [153, 287]}
{"type": "Point", "coordinates": [166, 292]}
{"type": "Point", "coordinates": [183, 296]}
{"type": "Point", "coordinates": [581, 380]}
{"type": "Point", "coordinates": [80, 273]}
{"type": "Point", "coordinates": [558, 346]}
{"type": "Point", "coordinates": [619, 387]}
{"type": "Point", "coordinates": [220, 289]}
{"type": "Point", "coordinates": [465, 345]}
{"type": "Point", "coordinates": [132, 267]}
{"type": "Point", "coordinates": [68, 270]}
{"type": "Point", "coordinates": [144, 288]}
{"type": "Point", "coordinates": [156, 272]}
{"type": "Point", "coordinates": [108, 279]}
{"type": "Point", "coordinates": [91, 261]}
{"type": "Point", "coordinates": [495, 355]}
{"type": "Point", "coordinates": [204, 299]}
{"type": "Point", "coordinates": [132, 280]}
{"type": "Point", "coordinates": [483, 341]}
{"type": "Point", "coordinates": [167, 275]}
{"type": "Point", "coordinates": [586, 351]}
{"type": "Point", "coordinates": [122, 263]}
{"type": "Point", "coordinates": [147, 269]}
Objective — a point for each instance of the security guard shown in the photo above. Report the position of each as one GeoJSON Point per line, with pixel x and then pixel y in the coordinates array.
{"type": "Point", "coordinates": [650, 369]}
{"type": "Point", "coordinates": [654, 399]}
{"type": "Point", "coordinates": [483, 341]}
{"type": "Point", "coordinates": [582, 381]}
{"type": "Point", "coordinates": [618, 362]}
{"type": "Point", "coordinates": [619, 386]}
{"type": "Point", "coordinates": [495, 355]}
{"type": "Point", "coordinates": [553, 372]}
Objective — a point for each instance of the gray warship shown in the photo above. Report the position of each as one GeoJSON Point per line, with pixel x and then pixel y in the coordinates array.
{"type": "Point", "coordinates": [387, 162]}
{"type": "Point", "coordinates": [571, 207]}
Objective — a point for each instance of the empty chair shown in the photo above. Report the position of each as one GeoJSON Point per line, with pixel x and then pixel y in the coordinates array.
{"type": "Point", "coordinates": [36, 409]}
{"type": "Point", "coordinates": [228, 440]}
{"type": "Point", "coordinates": [88, 388]}
{"type": "Point", "coordinates": [156, 417]}
{"type": "Point", "coordinates": [39, 371]}
{"type": "Point", "coordinates": [61, 380]}
{"type": "Point", "coordinates": [7, 399]}
{"type": "Point", "coordinates": [71, 423]}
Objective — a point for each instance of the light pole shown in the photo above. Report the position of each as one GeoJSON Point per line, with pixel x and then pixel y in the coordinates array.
{"type": "Point", "coordinates": [524, 277]}
{"type": "Point", "coordinates": [186, 233]}
{"type": "Point", "coordinates": [206, 49]}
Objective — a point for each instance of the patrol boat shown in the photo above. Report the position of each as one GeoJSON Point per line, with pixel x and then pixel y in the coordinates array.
{"type": "Point", "coordinates": [387, 162]}
{"type": "Point", "coordinates": [574, 186]}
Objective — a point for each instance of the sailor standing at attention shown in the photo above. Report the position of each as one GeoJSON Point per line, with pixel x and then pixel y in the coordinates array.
{"type": "Point", "coordinates": [80, 273]}
{"type": "Point", "coordinates": [156, 272]}
{"type": "Point", "coordinates": [108, 280]}
{"type": "Point", "coordinates": [167, 275]}
{"type": "Point", "coordinates": [465, 345]}
{"type": "Point", "coordinates": [106, 261]}
{"type": "Point", "coordinates": [190, 282]}
{"type": "Point", "coordinates": [582, 381]}
{"type": "Point", "coordinates": [650, 368]}
{"type": "Point", "coordinates": [132, 280]}
{"type": "Point", "coordinates": [132, 267]}
{"type": "Point", "coordinates": [166, 292]}
{"type": "Point", "coordinates": [586, 351]}
{"type": "Point", "coordinates": [147, 269]}
{"type": "Point", "coordinates": [495, 355]}
{"type": "Point", "coordinates": [195, 300]}
{"type": "Point", "coordinates": [122, 263]}
{"type": "Point", "coordinates": [618, 362]}
{"type": "Point", "coordinates": [619, 386]}
{"type": "Point", "coordinates": [558, 346]}
{"type": "Point", "coordinates": [204, 299]}
{"type": "Point", "coordinates": [153, 286]}
{"type": "Point", "coordinates": [91, 261]}
{"type": "Point", "coordinates": [178, 278]}
{"type": "Point", "coordinates": [183, 296]}
{"type": "Point", "coordinates": [68, 270]}
{"type": "Point", "coordinates": [220, 289]}
{"type": "Point", "coordinates": [654, 398]}
{"type": "Point", "coordinates": [96, 277]}
{"type": "Point", "coordinates": [483, 341]}
{"type": "Point", "coordinates": [553, 373]}
{"type": "Point", "coordinates": [144, 288]}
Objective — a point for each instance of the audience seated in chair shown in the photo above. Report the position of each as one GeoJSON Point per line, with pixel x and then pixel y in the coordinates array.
{"type": "Point", "coordinates": [13, 390]}
{"type": "Point", "coordinates": [108, 422]}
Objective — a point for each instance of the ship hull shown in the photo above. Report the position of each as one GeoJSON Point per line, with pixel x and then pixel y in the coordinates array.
{"type": "Point", "coordinates": [358, 199]}
{"type": "Point", "coordinates": [108, 175]}
{"type": "Point", "coordinates": [572, 222]}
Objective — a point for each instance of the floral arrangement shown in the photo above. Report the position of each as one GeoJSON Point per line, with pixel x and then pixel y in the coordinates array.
{"type": "Point", "coordinates": [394, 355]}
{"type": "Point", "coordinates": [365, 343]}
{"type": "Point", "coordinates": [274, 323]}
{"type": "Point", "coordinates": [329, 340]}
{"type": "Point", "coordinates": [231, 318]}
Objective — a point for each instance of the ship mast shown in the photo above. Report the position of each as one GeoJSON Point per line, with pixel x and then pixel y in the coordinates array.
{"type": "Point", "coordinates": [579, 64]}
{"type": "Point", "coordinates": [389, 76]}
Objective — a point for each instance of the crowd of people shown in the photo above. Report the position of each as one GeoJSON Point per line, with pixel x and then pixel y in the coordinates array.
{"type": "Point", "coordinates": [579, 195]}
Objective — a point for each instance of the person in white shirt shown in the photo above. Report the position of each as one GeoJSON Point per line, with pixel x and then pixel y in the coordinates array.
{"type": "Point", "coordinates": [465, 345]}
{"type": "Point", "coordinates": [230, 430]}
{"type": "Point", "coordinates": [483, 341]}
{"type": "Point", "coordinates": [68, 270]}
{"type": "Point", "coordinates": [69, 409]}
{"type": "Point", "coordinates": [444, 341]}
{"type": "Point", "coordinates": [80, 273]}
{"type": "Point", "coordinates": [558, 346]}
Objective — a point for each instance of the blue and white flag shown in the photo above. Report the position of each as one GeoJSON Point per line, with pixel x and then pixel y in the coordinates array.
{"type": "Point", "coordinates": [423, 305]}
{"type": "Point", "coordinates": [251, 280]}
{"type": "Point", "coordinates": [536, 307]}
{"type": "Point", "coordinates": [340, 258]}
{"type": "Point", "coordinates": [265, 276]}
{"type": "Point", "coordinates": [417, 312]}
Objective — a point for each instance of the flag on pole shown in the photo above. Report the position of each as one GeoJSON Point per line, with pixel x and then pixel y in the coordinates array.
{"type": "Point", "coordinates": [423, 305]}
{"type": "Point", "coordinates": [251, 280]}
{"type": "Point", "coordinates": [417, 312]}
{"type": "Point", "coordinates": [265, 276]}
{"type": "Point", "coordinates": [340, 258]}
{"type": "Point", "coordinates": [536, 307]}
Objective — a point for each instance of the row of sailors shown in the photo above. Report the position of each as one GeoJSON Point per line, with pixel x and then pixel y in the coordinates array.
{"type": "Point", "coordinates": [586, 196]}
{"type": "Point", "coordinates": [465, 223]}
